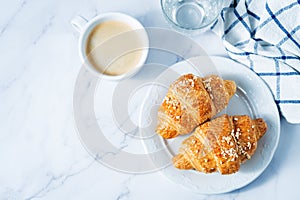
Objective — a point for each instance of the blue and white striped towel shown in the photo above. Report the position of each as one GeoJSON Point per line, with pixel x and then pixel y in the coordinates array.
{"type": "Point", "coordinates": [265, 36]}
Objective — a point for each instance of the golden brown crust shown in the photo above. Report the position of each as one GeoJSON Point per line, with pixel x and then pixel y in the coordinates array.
{"type": "Point", "coordinates": [262, 127]}
{"type": "Point", "coordinates": [191, 101]}
{"type": "Point", "coordinates": [182, 163]}
{"type": "Point", "coordinates": [230, 87]}
{"type": "Point", "coordinates": [245, 136]}
{"type": "Point", "coordinates": [217, 91]}
{"type": "Point", "coordinates": [221, 144]}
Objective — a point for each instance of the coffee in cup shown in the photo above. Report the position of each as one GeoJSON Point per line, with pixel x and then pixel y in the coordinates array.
{"type": "Point", "coordinates": [113, 45]}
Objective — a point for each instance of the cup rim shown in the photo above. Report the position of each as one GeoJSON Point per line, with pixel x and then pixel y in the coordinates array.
{"type": "Point", "coordinates": [129, 20]}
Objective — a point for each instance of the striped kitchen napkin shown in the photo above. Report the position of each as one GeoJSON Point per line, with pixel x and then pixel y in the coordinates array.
{"type": "Point", "coordinates": [265, 36]}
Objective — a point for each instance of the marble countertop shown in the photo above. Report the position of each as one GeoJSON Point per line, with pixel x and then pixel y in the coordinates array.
{"type": "Point", "coordinates": [41, 153]}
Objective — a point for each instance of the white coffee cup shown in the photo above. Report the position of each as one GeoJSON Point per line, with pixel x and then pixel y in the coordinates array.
{"type": "Point", "coordinates": [86, 27]}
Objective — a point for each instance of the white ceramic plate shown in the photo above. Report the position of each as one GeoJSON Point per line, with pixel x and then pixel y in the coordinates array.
{"type": "Point", "coordinates": [252, 98]}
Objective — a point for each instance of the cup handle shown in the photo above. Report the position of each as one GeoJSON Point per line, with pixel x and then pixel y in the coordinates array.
{"type": "Point", "coordinates": [79, 23]}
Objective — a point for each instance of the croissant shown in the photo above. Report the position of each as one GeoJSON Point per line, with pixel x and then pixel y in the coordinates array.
{"type": "Point", "coordinates": [190, 101]}
{"type": "Point", "coordinates": [221, 144]}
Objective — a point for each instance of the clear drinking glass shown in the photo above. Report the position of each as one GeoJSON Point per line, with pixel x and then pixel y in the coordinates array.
{"type": "Point", "coordinates": [191, 16]}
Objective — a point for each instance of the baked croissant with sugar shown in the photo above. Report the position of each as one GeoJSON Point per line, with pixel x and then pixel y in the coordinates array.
{"type": "Point", "coordinates": [221, 144]}
{"type": "Point", "coordinates": [190, 101]}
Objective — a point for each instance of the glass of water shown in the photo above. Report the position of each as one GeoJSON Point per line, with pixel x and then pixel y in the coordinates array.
{"type": "Point", "coordinates": [191, 16]}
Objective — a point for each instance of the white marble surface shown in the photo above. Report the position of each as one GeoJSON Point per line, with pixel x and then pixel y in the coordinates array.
{"type": "Point", "coordinates": [41, 154]}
